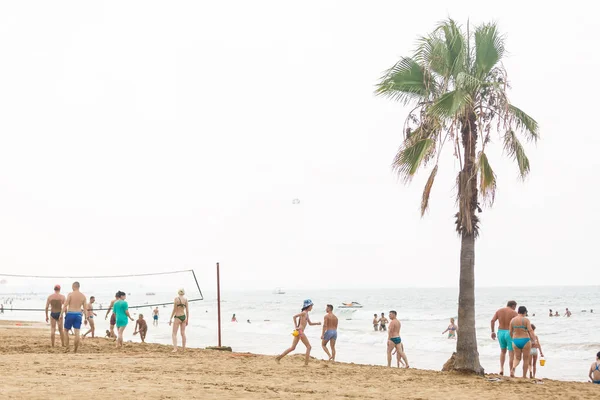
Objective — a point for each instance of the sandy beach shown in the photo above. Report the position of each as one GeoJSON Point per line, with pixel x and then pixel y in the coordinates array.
{"type": "Point", "coordinates": [31, 369]}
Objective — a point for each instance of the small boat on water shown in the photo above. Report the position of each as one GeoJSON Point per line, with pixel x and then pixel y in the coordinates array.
{"type": "Point", "coordinates": [353, 304]}
{"type": "Point", "coordinates": [278, 291]}
{"type": "Point", "coordinates": [150, 294]}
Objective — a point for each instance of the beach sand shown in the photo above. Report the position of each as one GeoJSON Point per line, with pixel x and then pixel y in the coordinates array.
{"type": "Point", "coordinates": [31, 369]}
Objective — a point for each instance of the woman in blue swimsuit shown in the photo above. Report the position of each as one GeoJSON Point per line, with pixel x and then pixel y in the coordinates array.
{"type": "Point", "coordinates": [523, 337]}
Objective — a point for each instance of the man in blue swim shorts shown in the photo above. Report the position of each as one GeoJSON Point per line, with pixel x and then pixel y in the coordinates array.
{"type": "Point", "coordinates": [329, 335]}
{"type": "Point", "coordinates": [75, 308]}
{"type": "Point", "coordinates": [504, 316]}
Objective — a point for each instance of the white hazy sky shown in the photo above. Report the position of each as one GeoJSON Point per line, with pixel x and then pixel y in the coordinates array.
{"type": "Point", "coordinates": [148, 136]}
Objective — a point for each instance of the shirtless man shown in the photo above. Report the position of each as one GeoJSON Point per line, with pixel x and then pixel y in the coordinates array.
{"type": "Point", "coordinates": [155, 316]}
{"type": "Point", "coordinates": [75, 307]}
{"type": "Point", "coordinates": [55, 302]}
{"type": "Point", "coordinates": [113, 317]}
{"type": "Point", "coordinates": [375, 323]}
{"type": "Point", "coordinates": [504, 316]}
{"type": "Point", "coordinates": [91, 314]}
{"type": "Point", "coordinates": [383, 322]}
{"type": "Point", "coordinates": [300, 322]}
{"type": "Point", "coordinates": [394, 341]}
{"type": "Point", "coordinates": [567, 313]}
{"type": "Point", "coordinates": [330, 324]}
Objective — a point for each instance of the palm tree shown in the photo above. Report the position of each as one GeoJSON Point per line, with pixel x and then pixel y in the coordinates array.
{"type": "Point", "coordinates": [457, 86]}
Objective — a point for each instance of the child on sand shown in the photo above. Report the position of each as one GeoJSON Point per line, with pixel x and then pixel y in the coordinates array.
{"type": "Point", "coordinates": [535, 348]}
{"type": "Point", "coordinates": [300, 322]}
{"type": "Point", "coordinates": [141, 327]}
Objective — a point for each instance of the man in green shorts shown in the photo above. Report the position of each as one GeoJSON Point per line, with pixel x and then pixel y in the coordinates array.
{"type": "Point", "coordinates": [504, 316]}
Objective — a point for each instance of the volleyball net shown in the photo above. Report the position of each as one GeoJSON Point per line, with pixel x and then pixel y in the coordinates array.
{"type": "Point", "coordinates": [30, 292]}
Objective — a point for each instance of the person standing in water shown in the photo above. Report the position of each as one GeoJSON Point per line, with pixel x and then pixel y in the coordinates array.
{"type": "Point", "coordinates": [55, 303]}
{"type": "Point", "coordinates": [504, 316]}
{"type": "Point", "coordinates": [375, 323]}
{"type": "Point", "coordinates": [383, 322]}
{"type": "Point", "coordinates": [394, 341]}
{"type": "Point", "coordinates": [91, 314]}
{"type": "Point", "coordinates": [155, 316]}
{"type": "Point", "coordinates": [75, 307]}
{"type": "Point", "coordinates": [300, 322]}
{"type": "Point", "coordinates": [181, 315]}
{"type": "Point", "coordinates": [567, 313]}
{"type": "Point", "coordinates": [551, 315]}
{"type": "Point", "coordinates": [122, 316]}
{"type": "Point", "coordinates": [523, 337]}
{"type": "Point", "coordinates": [535, 349]}
{"type": "Point", "coordinates": [451, 329]}
{"type": "Point", "coordinates": [233, 319]}
{"type": "Point", "coordinates": [330, 324]}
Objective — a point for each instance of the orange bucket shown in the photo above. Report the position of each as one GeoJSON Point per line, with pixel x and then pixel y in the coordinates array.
{"type": "Point", "coordinates": [542, 362]}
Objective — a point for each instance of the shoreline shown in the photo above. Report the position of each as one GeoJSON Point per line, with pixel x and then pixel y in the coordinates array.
{"type": "Point", "coordinates": [153, 372]}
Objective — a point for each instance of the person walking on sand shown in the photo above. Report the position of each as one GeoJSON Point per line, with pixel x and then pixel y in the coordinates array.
{"type": "Point", "coordinates": [383, 322]}
{"type": "Point", "coordinates": [300, 322]}
{"type": "Point", "coordinates": [91, 314]}
{"type": "Point", "coordinates": [595, 370]}
{"type": "Point", "coordinates": [122, 316]}
{"type": "Point", "coordinates": [75, 307]}
{"type": "Point", "coordinates": [181, 313]}
{"type": "Point", "coordinates": [330, 325]}
{"type": "Point", "coordinates": [155, 316]}
{"type": "Point", "coordinates": [55, 303]}
{"type": "Point", "coordinates": [451, 329]}
{"type": "Point", "coordinates": [142, 327]}
{"type": "Point", "coordinates": [113, 317]}
{"type": "Point", "coordinates": [394, 341]}
{"type": "Point", "coordinates": [375, 323]}
{"type": "Point", "coordinates": [535, 349]}
{"type": "Point", "coordinates": [523, 338]}
{"type": "Point", "coordinates": [504, 316]}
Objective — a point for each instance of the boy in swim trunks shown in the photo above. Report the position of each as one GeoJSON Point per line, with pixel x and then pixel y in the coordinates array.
{"type": "Point", "coordinates": [595, 370]}
{"type": "Point", "coordinates": [300, 322]}
{"type": "Point", "coordinates": [375, 323]}
{"type": "Point", "coordinates": [155, 316]}
{"type": "Point", "coordinates": [535, 349]}
{"type": "Point", "coordinates": [91, 314]}
{"type": "Point", "coordinates": [394, 341]}
{"type": "Point", "coordinates": [141, 327]}
{"type": "Point", "coordinates": [504, 316]}
{"type": "Point", "coordinates": [330, 324]}
{"type": "Point", "coordinates": [55, 302]}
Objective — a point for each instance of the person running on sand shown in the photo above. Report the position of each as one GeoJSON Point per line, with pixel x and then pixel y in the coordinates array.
{"type": "Point", "coordinates": [394, 341]}
{"type": "Point", "coordinates": [142, 327]}
{"type": "Point", "coordinates": [375, 323]}
{"type": "Point", "coordinates": [181, 313]}
{"type": "Point", "coordinates": [75, 307]}
{"type": "Point", "coordinates": [330, 324]}
{"type": "Point", "coordinates": [504, 316]}
{"type": "Point", "coordinates": [451, 329]}
{"type": "Point", "coordinates": [91, 314]}
{"type": "Point", "coordinates": [300, 322]}
{"type": "Point", "coordinates": [595, 370]}
{"type": "Point", "coordinates": [155, 316]}
{"type": "Point", "coordinates": [523, 337]}
{"type": "Point", "coordinates": [122, 316]}
{"type": "Point", "coordinates": [535, 349]}
{"type": "Point", "coordinates": [55, 303]}
{"type": "Point", "coordinates": [383, 322]}
{"type": "Point", "coordinates": [113, 317]}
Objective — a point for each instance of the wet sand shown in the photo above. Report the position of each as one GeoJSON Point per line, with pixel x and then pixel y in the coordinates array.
{"type": "Point", "coordinates": [31, 369]}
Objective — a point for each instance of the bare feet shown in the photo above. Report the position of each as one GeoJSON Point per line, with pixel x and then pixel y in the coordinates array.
{"type": "Point", "coordinates": [174, 351]}
{"type": "Point", "coordinates": [278, 359]}
{"type": "Point", "coordinates": [501, 373]}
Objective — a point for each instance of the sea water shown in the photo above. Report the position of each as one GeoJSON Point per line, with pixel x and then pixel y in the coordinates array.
{"type": "Point", "coordinates": [569, 344]}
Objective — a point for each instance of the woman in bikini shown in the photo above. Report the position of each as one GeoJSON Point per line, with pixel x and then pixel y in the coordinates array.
{"type": "Point", "coordinates": [181, 313]}
{"type": "Point", "coordinates": [535, 349]}
{"type": "Point", "coordinates": [451, 329]}
{"type": "Point", "coordinates": [523, 338]}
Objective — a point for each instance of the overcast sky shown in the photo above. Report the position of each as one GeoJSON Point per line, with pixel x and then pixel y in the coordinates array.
{"type": "Point", "coordinates": [151, 136]}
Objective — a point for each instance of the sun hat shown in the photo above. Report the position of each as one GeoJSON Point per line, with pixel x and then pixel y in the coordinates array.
{"type": "Point", "coordinates": [307, 303]}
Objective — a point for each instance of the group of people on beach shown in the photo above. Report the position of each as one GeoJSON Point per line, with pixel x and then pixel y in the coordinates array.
{"type": "Point", "coordinates": [72, 311]}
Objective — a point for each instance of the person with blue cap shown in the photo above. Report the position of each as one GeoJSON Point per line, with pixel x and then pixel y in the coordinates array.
{"type": "Point", "coordinates": [300, 322]}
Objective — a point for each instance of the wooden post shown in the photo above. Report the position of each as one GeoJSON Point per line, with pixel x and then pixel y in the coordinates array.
{"type": "Point", "coordinates": [219, 303]}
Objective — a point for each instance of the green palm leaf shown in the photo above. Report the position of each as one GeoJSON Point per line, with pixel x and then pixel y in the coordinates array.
{"type": "Point", "coordinates": [405, 82]}
{"type": "Point", "coordinates": [515, 150]}
{"type": "Point", "coordinates": [433, 53]}
{"type": "Point", "coordinates": [411, 156]}
{"type": "Point", "coordinates": [524, 122]}
{"type": "Point", "coordinates": [450, 104]}
{"type": "Point", "coordinates": [487, 179]}
{"type": "Point", "coordinates": [456, 44]}
{"type": "Point", "coordinates": [489, 48]}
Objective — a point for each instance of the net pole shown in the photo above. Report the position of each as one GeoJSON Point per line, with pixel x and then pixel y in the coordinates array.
{"type": "Point", "coordinates": [219, 303]}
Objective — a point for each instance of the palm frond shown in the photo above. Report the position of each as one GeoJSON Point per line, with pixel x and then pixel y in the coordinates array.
{"type": "Point", "coordinates": [427, 190]}
{"type": "Point", "coordinates": [489, 48]}
{"type": "Point", "coordinates": [524, 122]}
{"type": "Point", "coordinates": [433, 53]}
{"type": "Point", "coordinates": [487, 179]}
{"type": "Point", "coordinates": [406, 81]}
{"type": "Point", "coordinates": [411, 156]}
{"type": "Point", "coordinates": [456, 43]}
{"type": "Point", "coordinates": [450, 104]}
{"type": "Point", "coordinates": [515, 150]}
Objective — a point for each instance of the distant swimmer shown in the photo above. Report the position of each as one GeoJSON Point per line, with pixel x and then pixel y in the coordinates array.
{"type": "Point", "coordinates": [567, 313]}
{"type": "Point", "coordinates": [375, 323]}
{"type": "Point", "coordinates": [595, 370]}
{"type": "Point", "coordinates": [55, 303]}
{"type": "Point", "coordinates": [91, 314]}
{"type": "Point", "coordinates": [180, 318]}
{"type": "Point", "coordinates": [113, 317]}
{"type": "Point", "coordinates": [142, 327]}
{"type": "Point", "coordinates": [233, 319]}
{"type": "Point", "coordinates": [75, 307]}
{"type": "Point", "coordinates": [504, 316]}
{"type": "Point", "coordinates": [556, 314]}
{"type": "Point", "coordinates": [591, 311]}
{"type": "Point", "coordinates": [551, 315]}
{"type": "Point", "coordinates": [122, 316]}
{"type": "Point", "coordinates": [329, 335]}
{"type": "Point", "coordinates": [300, 322]}
{"type": "Point", "coordinates": [535, 349]}
{"type": "Point", "coordinates": [395, 342]}
{"type": "Point", "coordinates": [451, 329]}
{"type": "Point", "coordinates": [155, 316]}
{"type": "Point", "coordinates": [383, 322]}
{"type": "Point", "coordinates": [523, 338]}
{"type": "Point", "coordinates": [247, 321]}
